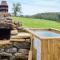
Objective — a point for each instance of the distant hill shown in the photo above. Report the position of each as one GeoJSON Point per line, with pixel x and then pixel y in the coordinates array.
{"type": "Point", "coordinates": [55, 16]}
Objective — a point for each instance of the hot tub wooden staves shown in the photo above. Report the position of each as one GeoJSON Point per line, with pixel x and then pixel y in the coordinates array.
{"type": "Point", "coordinates": [50, 46]}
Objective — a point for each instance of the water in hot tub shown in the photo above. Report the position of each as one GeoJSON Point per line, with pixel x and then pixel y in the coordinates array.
{"type": "Point", "coordinates": [46, 33]}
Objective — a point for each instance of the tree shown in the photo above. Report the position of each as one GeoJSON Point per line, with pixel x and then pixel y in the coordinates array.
{"type": "Point", "coordinates": [16, 9]}
{"type": "Point", "coordinates": [58, 17]}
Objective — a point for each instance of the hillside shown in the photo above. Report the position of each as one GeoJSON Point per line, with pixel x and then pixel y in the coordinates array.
{"type": "Point", "coordinates": [37, 23]}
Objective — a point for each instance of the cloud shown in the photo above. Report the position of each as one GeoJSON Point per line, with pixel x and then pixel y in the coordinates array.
{"type": "Point", "coordinates": [39, 6]}
{"type": "Point", "coordinates": [36, 6]}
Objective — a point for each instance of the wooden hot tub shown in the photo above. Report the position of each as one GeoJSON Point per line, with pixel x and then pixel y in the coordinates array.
{"type": "Point", "coordinates": [47, 43]}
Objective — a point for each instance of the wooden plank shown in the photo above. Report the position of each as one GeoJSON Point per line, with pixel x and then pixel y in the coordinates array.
{"type": "Point", "coordinates": [57, 49]}
{"type": "Point", "coordinates": [30, 55]}
{"type": "Point", "coordinates": [49, 50]}
{"type": "Point", "coordinates": [44, 51]}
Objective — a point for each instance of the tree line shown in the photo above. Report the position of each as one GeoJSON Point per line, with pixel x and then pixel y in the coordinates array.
{"type": "Point", "coordinates": [55, 16]}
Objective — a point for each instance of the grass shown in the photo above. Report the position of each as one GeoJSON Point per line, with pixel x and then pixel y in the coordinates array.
{"type": "Point", "coordinates": [37, 23]}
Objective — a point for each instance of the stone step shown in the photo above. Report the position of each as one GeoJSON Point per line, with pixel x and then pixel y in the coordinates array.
{"type": "Point", "coordinates": [4, 42]}
{"type": "Point", "coordinates": [14, 32]}
{"type": "Point", "coordinates": [17, 40]}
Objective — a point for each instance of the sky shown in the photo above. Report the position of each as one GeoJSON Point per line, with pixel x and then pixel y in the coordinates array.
{"type": "Point", "coordinates": [30, 7]}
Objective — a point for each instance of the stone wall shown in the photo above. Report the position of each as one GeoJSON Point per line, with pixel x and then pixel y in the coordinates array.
{"type": "Point", "coordinates": [15, 51]}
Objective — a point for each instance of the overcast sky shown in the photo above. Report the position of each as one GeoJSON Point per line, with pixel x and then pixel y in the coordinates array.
{"type": "Point", "coordinates": [30, 7]}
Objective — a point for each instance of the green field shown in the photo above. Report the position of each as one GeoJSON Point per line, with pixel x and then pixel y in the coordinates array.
{"type": "Point", "coordinates": [37, 23]}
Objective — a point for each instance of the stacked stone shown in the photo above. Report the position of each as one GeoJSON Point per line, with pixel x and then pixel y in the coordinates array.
{"type": "Point", "coordinates": [17, 49]}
